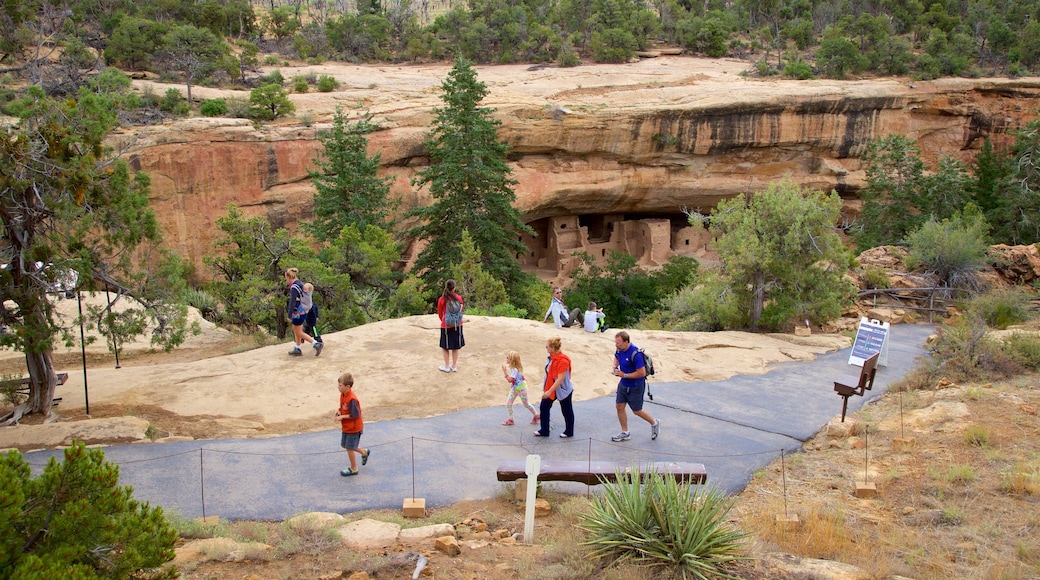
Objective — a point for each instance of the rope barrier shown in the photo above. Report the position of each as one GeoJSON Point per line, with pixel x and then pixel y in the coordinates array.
{"type": "Point", "coordinates": [522, 445]}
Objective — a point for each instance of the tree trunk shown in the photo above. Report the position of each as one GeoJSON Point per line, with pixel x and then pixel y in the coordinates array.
{"type": "Point", "coordinates": [758, 298]}
{"type": "Point", "coordinates": [42, 382]}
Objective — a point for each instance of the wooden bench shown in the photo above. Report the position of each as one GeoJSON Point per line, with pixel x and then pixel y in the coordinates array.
{"type": "Point", "coordinates": [848, 385]}
{"type": "Point", "coordinates": [23, 387]}
{"type": "Point", "coordinates": [596, 472]}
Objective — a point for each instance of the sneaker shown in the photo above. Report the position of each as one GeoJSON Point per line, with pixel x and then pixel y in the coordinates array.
{"type": "Point", "coordinates": [444, 369]}
{"type": "Point", "coordinates": [317, 348]}
{"type": "Point", "coordinates": [565, 436]}
{"type": "Point", "coordinates": [296, 352]}
{"type": "Point", "coordinates": [622, 436]}
{"type": "Point", "coordinates": [508, 422]}
{"type": "Point", "coordinates": [655, 429]}
{"type": "Point", "coordinates": [540, 434]}
{"type": "Point", "coordinates": [453, 369]}
{"type": "Point", "coordinates": [347, 472]}
{"type": "Point", "coordinates": [364, 456]}
{"type": "Point", "coordinates": [536, 419]}
{"type": "Point", "coordinates": [604, 328]}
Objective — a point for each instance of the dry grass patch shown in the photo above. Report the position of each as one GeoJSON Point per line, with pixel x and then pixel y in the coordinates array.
{"type": "Point", "coordinates": [961, 502]}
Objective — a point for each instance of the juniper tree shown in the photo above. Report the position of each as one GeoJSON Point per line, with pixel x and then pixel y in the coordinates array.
{"type": "Point", "coordinates": [69, 206]}
{"type": "Point", "coordinates": [781, 255]}
{"type": "Point", "coordinates": [470, 183]}
{"type": "Point", "coordinates": [75, 521]}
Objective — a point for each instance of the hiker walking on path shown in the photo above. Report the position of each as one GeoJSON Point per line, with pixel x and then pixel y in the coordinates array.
{"type": "Point", "coordinates": [558, 311]}
{"type": "Point", "coordinates": [449, 311]}
{"type": "Point", "coordinates": [310, 324]}
{"type": "Point", "coordinates": [631, 367]}
{"type": "Point", "coordinates": [513, 371]}
{"type": "Point", "coordinates": [349, 416]}
{"type": "Point", "coordinates": [297, 315]}
{"type": "Point", "coordinates": [557, 386]}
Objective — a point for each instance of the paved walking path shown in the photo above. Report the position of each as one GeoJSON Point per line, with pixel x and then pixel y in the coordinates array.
{"type": "Point", "coordinates": [734, 427]}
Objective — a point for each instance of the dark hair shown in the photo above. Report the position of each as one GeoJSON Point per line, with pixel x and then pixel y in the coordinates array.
{"type": "Point", "coordinates": [624, 336]}
{"type": "Point", "coordinates": [449, 290]}
{"type": "Point", "coordinates": [592, 305]}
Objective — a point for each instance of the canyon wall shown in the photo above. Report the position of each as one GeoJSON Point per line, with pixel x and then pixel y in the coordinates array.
{"type": "Point", "coordinates": [591, 152]}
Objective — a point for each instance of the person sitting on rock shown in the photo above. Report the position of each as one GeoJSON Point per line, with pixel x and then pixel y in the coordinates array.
{"type": "Point", "coordinates": [558, 311]}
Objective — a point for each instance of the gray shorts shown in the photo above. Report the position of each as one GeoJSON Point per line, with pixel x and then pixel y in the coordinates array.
{"type": "Point", "coordinates": [350, 440]}
{"type": "Point", "coordinates": [631, 395]}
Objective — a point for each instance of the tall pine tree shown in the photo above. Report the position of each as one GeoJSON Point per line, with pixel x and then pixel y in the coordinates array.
{"type": "Point", "coordinates": [349, 191]}
{"type": "Point", "coordinates": [470, 182]}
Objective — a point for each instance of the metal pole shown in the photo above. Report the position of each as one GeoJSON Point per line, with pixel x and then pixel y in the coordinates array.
{"type": "Point", "coordinates": [83, 350]}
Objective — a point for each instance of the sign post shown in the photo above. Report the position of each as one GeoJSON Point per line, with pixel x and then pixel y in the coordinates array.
{"type": "Point", "coordinates": [871, 337]}
{"type": "Point", "coordinates": [532, 468]}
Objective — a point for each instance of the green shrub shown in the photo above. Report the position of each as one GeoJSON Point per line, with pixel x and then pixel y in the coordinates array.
{"type": "Point", "coordinates": [1024, 349]}
{"type": "Point", "coordinates": [1002, 308]}
{"type": "Point", "coordinates": [202, 301]}
{"type": "Point", "coordinates": [300, 85]}
{"type": "Point", "coordinates": [953, 249]}
{"type": "Point", "coordinates": [238, 108]}
{"type": "Point", "coordinates": [798, 70]}
{"type": "Point", "coordinates": [567, 57]}
{"type": "Point", "coordinates": [75, 521]}
{"type": "Point", "coordinates": [664, 523]}
{"type": "Point", "coordinates": [272, 60]}
{"type": "Point", "coordinates": [327, 84]}
{"type": "Point", "coordinates": [709, 306]}
{"type": "Point", "coordinates": [171, 100]}
{"type": "Point", "coordinates": [875, 278]}
{"type": "Point", "coordinates": [273, 78]}
{"type": "Point", "coordinates": [764, 70]}
{"type": "Point", "coordinates": [148, 96]}
{"type": "Point", "coordinates": [213, 107]}
{"type": "Point", "coordinates": [508, 310]}
{"type": "Point", "coordinates": [9, 390]}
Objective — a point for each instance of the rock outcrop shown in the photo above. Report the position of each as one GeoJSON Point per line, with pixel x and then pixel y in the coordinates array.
{"type": "Point", "coordinates": [592, 147]}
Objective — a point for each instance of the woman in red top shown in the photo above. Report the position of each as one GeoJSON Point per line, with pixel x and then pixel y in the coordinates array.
{"type": "Point", "coordinates": [451, 334]}
{"type": "Point", "coordinates": [557, 387]}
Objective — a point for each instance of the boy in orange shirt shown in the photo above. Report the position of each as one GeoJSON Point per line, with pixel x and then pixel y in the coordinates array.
{"type": "Point", "coordinates": [349, 415]}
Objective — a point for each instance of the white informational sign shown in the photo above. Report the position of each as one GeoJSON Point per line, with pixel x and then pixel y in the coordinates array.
{"type": "Point", "coordinates": [871, 337]}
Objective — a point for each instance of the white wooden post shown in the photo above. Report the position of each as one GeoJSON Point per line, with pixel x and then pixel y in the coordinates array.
{"type": "Point", "coordinates": [532, 468]}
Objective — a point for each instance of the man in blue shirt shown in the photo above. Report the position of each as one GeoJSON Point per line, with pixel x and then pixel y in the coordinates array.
{"type": "Point", "coordinates": [630, 366]}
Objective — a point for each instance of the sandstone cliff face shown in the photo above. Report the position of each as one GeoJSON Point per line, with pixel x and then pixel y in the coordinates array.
{"type": "Point", "coordinates": [604, 143]}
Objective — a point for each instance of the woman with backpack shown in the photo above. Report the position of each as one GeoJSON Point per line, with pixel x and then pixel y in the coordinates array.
{"type": "Point", "coordinates": [449, 311]}
{"type": "Point", "coordinates": [298, 314]}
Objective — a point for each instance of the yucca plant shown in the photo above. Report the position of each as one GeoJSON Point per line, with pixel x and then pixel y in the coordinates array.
{"type": "Point", "coordinates": [662, 522]}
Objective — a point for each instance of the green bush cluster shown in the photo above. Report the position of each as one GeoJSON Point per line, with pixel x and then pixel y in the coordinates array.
{"type": "Point", "coordinates": [327, 84]}
{"type": "Point", "coordinates": [967, 349]}
{"type": "Point", "coordinates": [75, 521]}
{"type": "Point", "coordinates": [1002, 308]}
{"type": "Point", "coordinates": [213, 107]}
